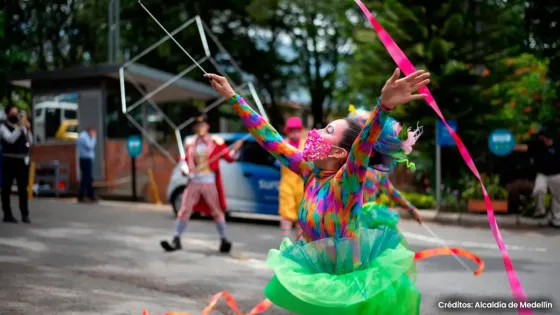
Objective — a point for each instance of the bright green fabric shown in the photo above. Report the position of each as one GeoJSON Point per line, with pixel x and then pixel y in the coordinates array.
{"type": "Point", "coordinates": [372, 274]}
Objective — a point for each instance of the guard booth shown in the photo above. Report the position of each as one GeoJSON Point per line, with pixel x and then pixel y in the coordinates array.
{"type": "Point", "coordinates": [67, 101]}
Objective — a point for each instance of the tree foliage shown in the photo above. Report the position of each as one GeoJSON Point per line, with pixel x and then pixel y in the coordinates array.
{"type": "Point", "coordinates": [522, 96]}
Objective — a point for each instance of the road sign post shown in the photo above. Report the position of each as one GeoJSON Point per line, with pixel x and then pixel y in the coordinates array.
{"type": "Point", "coordinates": [134, 148]}
{"type": "Point", "coordinates": [501, 142]}
{"type": "Point", "coordinates": [443, 139]}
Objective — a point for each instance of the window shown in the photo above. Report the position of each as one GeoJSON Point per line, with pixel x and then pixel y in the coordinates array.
{"type": "Point", "coordinates": [52, 122]}
{"type": "Point", "coordinates": [253, 153]}
{"type": "Point", "coordinates": [72, 128]}
{"type": "Point", "coordinates": [49, 111]}
{"type": "Point", "coordinates": [70, 114]}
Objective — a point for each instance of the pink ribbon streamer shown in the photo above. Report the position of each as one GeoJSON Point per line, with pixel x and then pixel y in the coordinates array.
{"type": "Point", "coordinates": [407, 68]}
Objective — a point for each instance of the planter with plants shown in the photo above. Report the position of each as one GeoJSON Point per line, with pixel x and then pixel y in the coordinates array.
{"type": "Point", "coordinates": [472, 192]}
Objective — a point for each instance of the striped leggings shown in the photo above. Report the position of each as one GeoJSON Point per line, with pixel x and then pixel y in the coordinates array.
{"type": "Point", "coordinates": [192, 195]}
{"type": "Point", "coordinates": [286, 228]}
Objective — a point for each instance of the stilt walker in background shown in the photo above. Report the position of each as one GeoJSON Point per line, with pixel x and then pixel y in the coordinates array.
{"type": "Point", "coordinates": [290, 189]}
{"type": "Point", "coordinates": [204, 192]}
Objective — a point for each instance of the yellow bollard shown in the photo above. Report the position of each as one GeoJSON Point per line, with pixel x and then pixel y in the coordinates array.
{"type": "Point", "coordinates": [31, 180]}
{"type": "Point", "coordinates": [153, 187]}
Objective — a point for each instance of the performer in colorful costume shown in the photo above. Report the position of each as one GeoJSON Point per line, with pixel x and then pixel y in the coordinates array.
{"type": "Point", "coordinates": [392, 146]}
{"type": "Point", "coordinates": [204, 192]}
{"type": "Point", "coordinates": [290, 190]}
{"type": "Point", "coordinates": [341, 267]}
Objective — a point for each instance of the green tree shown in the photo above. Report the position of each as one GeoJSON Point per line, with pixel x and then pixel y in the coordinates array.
{"type": "Point", "coordinates": [522, 95]}
{"type": "Point", "coordinates": [456, 40]}
{"type": "Point", "coordinates": [542, 19]}
{"type": "Point", "coordinates": [317, 40]}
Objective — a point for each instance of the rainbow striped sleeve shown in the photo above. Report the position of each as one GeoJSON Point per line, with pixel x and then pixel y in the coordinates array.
{"type": "Point", "coordinates": [270, 139]}
{"type": "Point", "coordinates": [370, 191]}
{"type": "Point", "coordinates": [394, 194]}
{"type": "Point", "coordinates": [352, 175]}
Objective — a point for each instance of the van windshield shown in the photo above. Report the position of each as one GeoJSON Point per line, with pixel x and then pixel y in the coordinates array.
{"type": "Point", "coordinates": [70, 114]}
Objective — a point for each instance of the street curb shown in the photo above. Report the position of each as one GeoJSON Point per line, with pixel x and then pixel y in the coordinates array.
{"type": "Point", "coordinates": [514, 222]}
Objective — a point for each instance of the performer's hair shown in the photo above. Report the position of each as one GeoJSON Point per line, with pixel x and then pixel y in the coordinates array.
{"type": "Point", "coordinates": [350, 134]}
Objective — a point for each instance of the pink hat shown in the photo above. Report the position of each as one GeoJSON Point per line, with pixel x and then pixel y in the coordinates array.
{"type": "Point", "coordinates": [293, 123]}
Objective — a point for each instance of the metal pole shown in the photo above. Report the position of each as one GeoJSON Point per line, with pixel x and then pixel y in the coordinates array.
{"type": "Point", "coordinates": [134, 196]}
{"type": "Point", "coordinates": [117, 31]}
{"type": "Point", "coordinates": [438, 172]}
{"type": "Point", "coordinates": [110, 27]}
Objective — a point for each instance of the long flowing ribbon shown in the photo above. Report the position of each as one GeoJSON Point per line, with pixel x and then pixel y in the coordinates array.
{"type": "Point", "coordinates": [451, 251]}
{"type": "Point", "coordinates": [407, 68]}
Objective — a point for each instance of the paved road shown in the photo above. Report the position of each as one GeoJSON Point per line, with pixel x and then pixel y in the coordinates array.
{"type": "Point", "coordinates": [105, 259]}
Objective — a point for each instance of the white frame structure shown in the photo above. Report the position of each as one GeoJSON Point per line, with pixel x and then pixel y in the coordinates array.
{"type": "Point", "coordinates": [203, 30]}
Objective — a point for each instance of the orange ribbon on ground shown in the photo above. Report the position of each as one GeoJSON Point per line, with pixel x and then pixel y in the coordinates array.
{"type": "Point", "coordinates": [265, 304]}
{"type": "Point", "coordinates": [445, 251]}
{"type": "Point", "coordinates": [261, 307]}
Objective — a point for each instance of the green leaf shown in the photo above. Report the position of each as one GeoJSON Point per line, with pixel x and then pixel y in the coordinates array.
{"type": "Point", "coordinates": [453, 26]}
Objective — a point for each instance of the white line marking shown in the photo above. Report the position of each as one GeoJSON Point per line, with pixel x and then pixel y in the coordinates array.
{"type": "Point", "coordinates": [432, 240]}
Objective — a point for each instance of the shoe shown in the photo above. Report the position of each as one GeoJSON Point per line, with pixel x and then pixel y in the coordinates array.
{"type": "Point", "coordinates": [176, 245]}
{"type": "Point", "coordinates": [553, 225]}
{"type": "Point", "coordinates": [81, 200]}
{"type": "Point", "coordinates": [225, 246]}
{"type": "Point", "coordinates": [10, 220]}
{"type": "Point", "coordinates": [26, 220]}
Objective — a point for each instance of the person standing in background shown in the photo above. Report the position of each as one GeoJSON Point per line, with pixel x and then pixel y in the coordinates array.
{"type": "Point", "coordinates": [546, 155]}
{"type": "Point", "coordinates": [86, 153]}
{"type": "Point", "coordinates": [290, 189]}
{"type": "Point", "coordinates": [16, 140]}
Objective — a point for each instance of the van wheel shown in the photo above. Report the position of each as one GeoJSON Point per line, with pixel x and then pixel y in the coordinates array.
{"type": "Point", "coordinates": [176, 199]}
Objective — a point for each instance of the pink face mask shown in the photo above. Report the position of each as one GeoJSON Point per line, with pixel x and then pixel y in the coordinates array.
{"type": "Point", "coordinates": [315, 148]}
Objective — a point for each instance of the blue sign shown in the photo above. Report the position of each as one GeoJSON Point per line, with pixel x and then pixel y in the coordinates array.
{"type": "Point", "coordinates": [134, 146]}
{"type": "Point", "coordinates": [444, 138]}
{"type": "Point", "coordinates": [501, 142]}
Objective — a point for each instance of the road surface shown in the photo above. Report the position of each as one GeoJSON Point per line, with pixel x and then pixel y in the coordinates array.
{"type": "Point", "coordinates": [105, 259]}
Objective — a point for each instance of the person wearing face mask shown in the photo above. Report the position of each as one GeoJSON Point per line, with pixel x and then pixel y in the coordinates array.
{"type": "Point", "coordinates": [290, 189]}
{"type": "Point", "coordinates": [16, 138]}
{"type": "Point", "coordinates": [340, 267]}
{"type": "Point", "coordinates": [204, 192]}
{"type": "Point", "coordinates": [392, 147]}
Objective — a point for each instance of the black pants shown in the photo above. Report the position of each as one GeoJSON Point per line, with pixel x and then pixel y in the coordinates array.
{"type": "Point", "coordinates": [86, 182]}
{"type": "Point", "coordinates": [13, 168]}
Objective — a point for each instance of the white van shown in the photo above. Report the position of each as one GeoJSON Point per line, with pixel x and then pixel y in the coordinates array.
{"type": "Point", "coordinates": [49, 115]}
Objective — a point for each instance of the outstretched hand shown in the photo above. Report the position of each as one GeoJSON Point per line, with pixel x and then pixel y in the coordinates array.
{"type": "Point", "coordinates": [221, 85]}
{"type": "Point", "coordinates": [416, 215]}
{"type": "Point", "coordinates": [237, 145]}
{"type": "Point", "coordinates": [399, 91]}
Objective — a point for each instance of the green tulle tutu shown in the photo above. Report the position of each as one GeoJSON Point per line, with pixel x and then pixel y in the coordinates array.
{"type": "Point", "coordinates": [372, 274]}
{"type": "Point", "coordinates": [375, 214]}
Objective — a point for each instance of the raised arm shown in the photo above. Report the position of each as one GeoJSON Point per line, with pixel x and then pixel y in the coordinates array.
{"type": "Point", "coordinates": [370, 193]}
{"type": "Point", "coordinates": [353, 174]}
{"type": "Point", "coordinates": [396, 91]}
{"type": "Point", "coordinates": [262, 131]}
{"type": "Point", "coordinates": [387, 187]}
{"type": "Point", "coordinates": [270, 139]}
